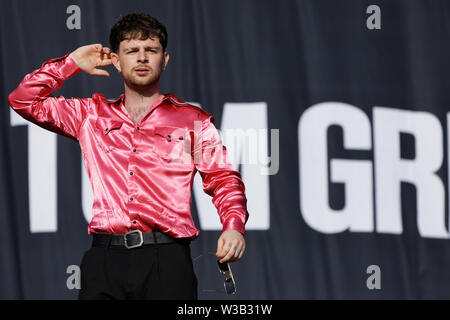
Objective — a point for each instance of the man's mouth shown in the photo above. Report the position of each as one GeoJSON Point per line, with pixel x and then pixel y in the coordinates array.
{"type": "Point", "coordinates": [142, 71]}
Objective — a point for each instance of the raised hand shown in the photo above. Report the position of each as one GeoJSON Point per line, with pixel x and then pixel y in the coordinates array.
{"type": "Point", "coordinates": [92, 56]}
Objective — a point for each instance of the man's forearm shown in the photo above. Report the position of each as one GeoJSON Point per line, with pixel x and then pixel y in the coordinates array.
{"type": "Point", "coordinates": [32, 100]}
{"type": "Point", "coordinates": [39, 84]}
{"type": "Point", "coordinates": [228, 192]}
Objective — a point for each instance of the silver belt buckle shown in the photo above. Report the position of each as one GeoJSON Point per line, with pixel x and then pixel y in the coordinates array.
{"type": "Point", "coordinates": [135, 245]}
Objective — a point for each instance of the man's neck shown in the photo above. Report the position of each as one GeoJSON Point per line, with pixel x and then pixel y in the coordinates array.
{"type": "Point", "coordinates": [136, 97]}
{"type": "Point", "coordinates": [138, 102]}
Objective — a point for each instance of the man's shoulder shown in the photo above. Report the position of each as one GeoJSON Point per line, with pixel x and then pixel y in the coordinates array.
{"type": "Point", "coordinates": [99, 97]}
{"type": "Point", "coordinates": [188, 107]}
{"type": "Point", "coordinates": [190, 110]}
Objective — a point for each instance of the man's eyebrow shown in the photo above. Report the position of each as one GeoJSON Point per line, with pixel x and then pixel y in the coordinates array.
{"type": "Point", "coordinates": [146, 47]}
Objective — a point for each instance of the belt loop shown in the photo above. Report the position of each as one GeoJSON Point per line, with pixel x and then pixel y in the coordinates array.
{"type": "Point", "coordinates": [108, 242]}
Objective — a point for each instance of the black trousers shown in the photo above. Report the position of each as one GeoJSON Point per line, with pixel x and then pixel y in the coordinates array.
{"type": "Point", "coordinates": [153, 271]}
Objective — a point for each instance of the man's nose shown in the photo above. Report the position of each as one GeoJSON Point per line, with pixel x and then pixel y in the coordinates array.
{"type": "Point", "coordinates": [142, 56]}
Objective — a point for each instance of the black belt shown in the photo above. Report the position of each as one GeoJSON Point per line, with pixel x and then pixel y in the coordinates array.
{"type": "Point", "coordinates": [133, 239]}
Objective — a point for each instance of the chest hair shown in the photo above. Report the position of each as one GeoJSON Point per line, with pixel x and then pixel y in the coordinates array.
{"type": "Point", "coordinates": [137, 112]}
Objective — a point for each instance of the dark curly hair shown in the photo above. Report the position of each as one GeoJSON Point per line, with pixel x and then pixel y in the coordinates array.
{"type": "Point", "coordinates": [136, 26]}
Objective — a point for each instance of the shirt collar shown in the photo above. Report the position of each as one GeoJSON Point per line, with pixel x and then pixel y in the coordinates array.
{"type": "Point", "coordinates": [168, 96]}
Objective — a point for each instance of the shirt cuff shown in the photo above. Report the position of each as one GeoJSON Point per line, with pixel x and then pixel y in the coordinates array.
{"type": "Point", "coordinates": [234, 223]}
{"type": "Point", "coordinates": [69, 67]}
{"type": "Point", "coordinates": [64, 66]}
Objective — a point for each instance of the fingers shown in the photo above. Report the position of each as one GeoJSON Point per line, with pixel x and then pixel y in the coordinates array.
{"type": "Point", "coordinates": [229, 254]}
{"type": "Point", "coordinates": [240, 253]}
{"type": "Point", "coordinates": [105, 56]}
{"type": "Point", "coordinates": [230, 250]}
{"type": "Point", "coordinates": [103, 53]}
{"type": "Point", "coordinates": [105, 60]}
{"type": "Point", "coordinates": [235, 253]}
{"type": "Point", "coordinates": [97, 47]}
{"type": "Point", "coordinates": [220, 244]}
{"type": "Point", "coordinates": [99, 72]}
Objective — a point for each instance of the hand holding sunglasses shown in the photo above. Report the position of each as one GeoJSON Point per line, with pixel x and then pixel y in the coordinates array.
{"type": "Point", "coordinates": [230, 246]}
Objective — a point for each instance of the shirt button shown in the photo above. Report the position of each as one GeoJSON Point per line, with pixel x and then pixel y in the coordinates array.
{"type": "Point", "coordinates": [134, 221]}
{"type": "Point", "coordinates": [131, 173]}
{"type": "Point", "coordinates": [138, 128]}
{"type": "Point", "coordinates": [134, 150]}
{"type": "Point", "coordinates": [131, 198]}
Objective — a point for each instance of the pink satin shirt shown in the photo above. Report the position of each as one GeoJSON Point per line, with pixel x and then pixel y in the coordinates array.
{"type": "Point", "coordinates": [141, 174]}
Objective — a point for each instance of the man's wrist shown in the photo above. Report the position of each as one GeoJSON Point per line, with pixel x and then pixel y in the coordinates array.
{"type": "Point", "coordinates": [69, 67]}
{"type": "Point", "coordinates": [234, 223]}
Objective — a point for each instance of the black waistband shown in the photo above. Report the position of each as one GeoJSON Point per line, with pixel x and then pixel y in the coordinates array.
{"type": "Point", "coordinates": [133, 239]}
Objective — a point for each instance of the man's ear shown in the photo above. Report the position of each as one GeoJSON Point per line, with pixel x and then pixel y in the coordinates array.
{"type": "Point", "coordinates": [115, 61]}
{"type": "Point", "coordinates": [166, 59]}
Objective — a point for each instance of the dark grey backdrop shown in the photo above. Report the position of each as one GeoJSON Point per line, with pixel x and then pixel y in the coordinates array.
{"type": "Point", "coordinates": [291, 54]}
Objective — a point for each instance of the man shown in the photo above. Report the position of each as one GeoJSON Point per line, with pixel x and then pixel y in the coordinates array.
{"type": "Point", "coordinates": [141, 152]}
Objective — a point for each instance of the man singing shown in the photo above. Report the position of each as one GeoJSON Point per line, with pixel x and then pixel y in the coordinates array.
{"type": "Point", "coordinates": [141, 152]}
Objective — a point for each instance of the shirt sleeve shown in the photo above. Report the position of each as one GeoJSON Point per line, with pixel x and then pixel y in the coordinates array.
{"type": "Point", "coordinates": [33, 101]}
{"type": "Point", "coordinates": [220, 181]}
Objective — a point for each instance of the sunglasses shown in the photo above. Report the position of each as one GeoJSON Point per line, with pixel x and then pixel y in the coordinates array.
{"type": "Point", "coordinates": [225, 270]}
{"type": "Point", "coordinates": [228, 283]}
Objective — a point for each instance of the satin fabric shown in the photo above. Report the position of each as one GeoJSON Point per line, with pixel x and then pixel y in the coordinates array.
{"type": "Point", "coordinates": [141, 174]}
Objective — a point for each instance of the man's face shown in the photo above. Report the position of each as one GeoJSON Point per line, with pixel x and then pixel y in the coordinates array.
{"type": "Point", "coordinates": [141, 62]}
